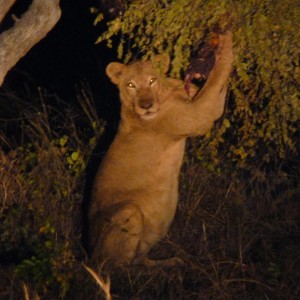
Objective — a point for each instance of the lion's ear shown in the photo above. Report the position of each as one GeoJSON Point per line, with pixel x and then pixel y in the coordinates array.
{"type": "Point", "coordinates": [162, 62]}
{"type": "Point", "coordinates": [114, 71]}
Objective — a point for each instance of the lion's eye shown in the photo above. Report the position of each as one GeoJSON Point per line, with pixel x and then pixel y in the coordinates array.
{"type": "Point", "coordinates": [131, 85]}
{"type": "Point", "coordinates": [152, 81]}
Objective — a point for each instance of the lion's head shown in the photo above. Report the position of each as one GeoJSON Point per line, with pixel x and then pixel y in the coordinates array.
{"type": "Point", "coordinates": [140, 84]}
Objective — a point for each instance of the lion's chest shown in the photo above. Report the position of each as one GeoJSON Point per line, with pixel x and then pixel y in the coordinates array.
{"type": "Point", "coordinates": [141, 169]}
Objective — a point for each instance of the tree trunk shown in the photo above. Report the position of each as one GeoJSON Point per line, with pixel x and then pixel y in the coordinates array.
{"type": "Point", "coordinates": [27, 31]}
{"type": "Point", "coordinates": [4, 8]}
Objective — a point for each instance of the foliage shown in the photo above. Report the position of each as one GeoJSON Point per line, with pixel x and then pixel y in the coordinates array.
{"type": "Point", "coordinates": [235, 244]}
{"type": "Point", "coordinates": [263, 112]}
{"type": "Point", "coordinates": [40, 199]}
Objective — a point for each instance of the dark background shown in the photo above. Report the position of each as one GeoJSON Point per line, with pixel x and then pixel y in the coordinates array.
{"type": "Point", "coordinates": [61, 64]}
{"type": "Point", "coordinates": [66, 58]}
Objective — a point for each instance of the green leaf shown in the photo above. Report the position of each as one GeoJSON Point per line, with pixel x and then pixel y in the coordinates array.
{"type": "Point", "coordinates": [75, 156]}
{"type": "Point", "coordinates": [63, 140]}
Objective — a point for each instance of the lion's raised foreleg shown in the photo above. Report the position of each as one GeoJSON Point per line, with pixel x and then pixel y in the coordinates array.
{"type": "Point", "coordinates": [196, 117]}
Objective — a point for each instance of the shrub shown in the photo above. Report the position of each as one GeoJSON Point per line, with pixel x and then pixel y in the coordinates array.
{"type": "Point", "coordinates": [234, 245]}
{"type": "Point", "coordinates": [43, 176]}
{"type": "Point", "coordinates": [262, 116]}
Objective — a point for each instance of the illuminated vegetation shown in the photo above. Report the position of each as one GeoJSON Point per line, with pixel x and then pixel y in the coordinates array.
{"type": "Point", "coordinates": [237, 224]}
{"type": "Point", "coordinates": [263, 110]}
{"type": "Point", "coordinates": [236, 242]}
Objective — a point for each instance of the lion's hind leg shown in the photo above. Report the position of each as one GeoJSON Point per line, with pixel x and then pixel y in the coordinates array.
{"type": "Point", "coordinates": [120, 234]}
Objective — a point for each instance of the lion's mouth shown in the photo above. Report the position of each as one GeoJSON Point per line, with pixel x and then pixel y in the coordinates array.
{"type": "Point", "coordinates": [149, 115]}
{"type": "Point", "coordinates": [146, 114]}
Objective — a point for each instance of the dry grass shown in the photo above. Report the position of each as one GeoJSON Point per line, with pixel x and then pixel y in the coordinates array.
{"type": "Point", "coordinates": [239, 240]}
{"type": "Point", "coordinates": [104, 284]}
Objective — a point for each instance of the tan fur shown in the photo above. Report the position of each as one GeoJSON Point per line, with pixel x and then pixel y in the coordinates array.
{"type": "Point", "coordinates": [135, 192]}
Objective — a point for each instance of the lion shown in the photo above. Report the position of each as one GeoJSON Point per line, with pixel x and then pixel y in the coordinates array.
{"type": "Point", "coordinates": [135, 192]}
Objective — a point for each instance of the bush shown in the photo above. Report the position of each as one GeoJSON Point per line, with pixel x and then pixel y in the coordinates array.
{"type": "Point", "coordinates": [236, 245]}
{"type": "Point", "coordinates": [260, 126]}
{"type": "Point", "coordinates": [42, 176]}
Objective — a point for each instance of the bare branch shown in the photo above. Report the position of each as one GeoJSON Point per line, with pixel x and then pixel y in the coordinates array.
{"type": "Point", "coordinates": [33, 25]}
{"type": "Point", "coordinates": [4, 8]}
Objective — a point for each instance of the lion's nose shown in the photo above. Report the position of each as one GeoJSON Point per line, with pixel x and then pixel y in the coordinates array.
{"type": "Point", "coordinates": [146, 104]}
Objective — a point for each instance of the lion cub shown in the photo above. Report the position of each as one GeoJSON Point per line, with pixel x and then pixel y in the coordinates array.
{"type": "Point", "coordinates": [135, 193]}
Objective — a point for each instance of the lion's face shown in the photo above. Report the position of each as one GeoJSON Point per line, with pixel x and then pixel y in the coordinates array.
{"type": "Point", "coordinates": [139, 85]}
{"type": "Point", "coordinates": [140, 88]}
